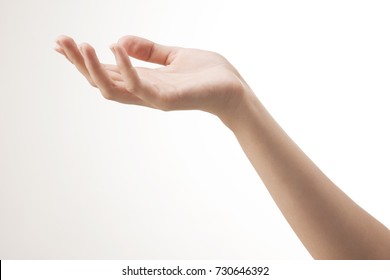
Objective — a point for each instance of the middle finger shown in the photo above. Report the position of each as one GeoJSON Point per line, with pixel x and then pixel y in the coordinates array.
{"type": "Point", "coordinates": [73, 54]}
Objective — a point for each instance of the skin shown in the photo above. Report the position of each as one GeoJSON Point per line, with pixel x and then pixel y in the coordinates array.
{"type": "Point", "coordinates": [329, 224]}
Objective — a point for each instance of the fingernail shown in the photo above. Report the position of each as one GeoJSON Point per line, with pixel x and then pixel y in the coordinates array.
{"type": "Point", "coordinates": [81, 49]}
{"type": "Point", "coordinates": [112, 48]}
{"type": "Point", "coordinates": [57, 45]}
{"type": "Point", "coordinates": [58, 49]}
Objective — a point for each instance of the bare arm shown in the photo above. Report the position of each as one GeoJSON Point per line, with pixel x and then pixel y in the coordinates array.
{"type": "Point", "coordinates": [327, 221]}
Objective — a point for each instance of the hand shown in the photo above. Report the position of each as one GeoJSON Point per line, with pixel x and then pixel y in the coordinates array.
{"type": "Point", "coordinates": [189, 78]}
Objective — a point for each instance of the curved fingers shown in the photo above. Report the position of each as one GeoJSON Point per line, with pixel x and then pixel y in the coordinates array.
{"type": "Point", "coordinates": [128, 72]}
{"type": "Point", "coordinates": [145, 89]}
{"type": "Point", "coordinates": [72, 53]}
{"type": "Point", "coordinates": [109, 82]}
{"type": "Point", "coordinates": [60, 50]}
{"type": "Point", "coordinates": [98, 74]}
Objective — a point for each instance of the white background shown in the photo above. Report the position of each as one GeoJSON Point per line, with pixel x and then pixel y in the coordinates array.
{"type": "Point", "coordinates": [86, 178]}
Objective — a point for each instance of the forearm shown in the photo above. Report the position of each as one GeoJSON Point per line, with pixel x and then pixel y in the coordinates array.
{"type": "Point", "coordinates": [327, 221]}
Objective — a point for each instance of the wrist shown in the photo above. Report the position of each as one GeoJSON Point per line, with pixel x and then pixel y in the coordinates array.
{"type": "Point", "coordinates": [244, 109]}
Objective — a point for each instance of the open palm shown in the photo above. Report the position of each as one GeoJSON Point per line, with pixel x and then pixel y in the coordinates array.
{"type": "Point", "coordinates": [189, 78]}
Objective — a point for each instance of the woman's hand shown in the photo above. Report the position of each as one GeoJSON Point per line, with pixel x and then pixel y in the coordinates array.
{"type": "Point", "coordinates": [326, 220]}
{"type": "Point", "coordinates": [189, 78]}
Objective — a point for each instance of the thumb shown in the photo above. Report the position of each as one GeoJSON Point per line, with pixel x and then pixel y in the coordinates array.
{"type": "Point", "coordinates": [146, 50]}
